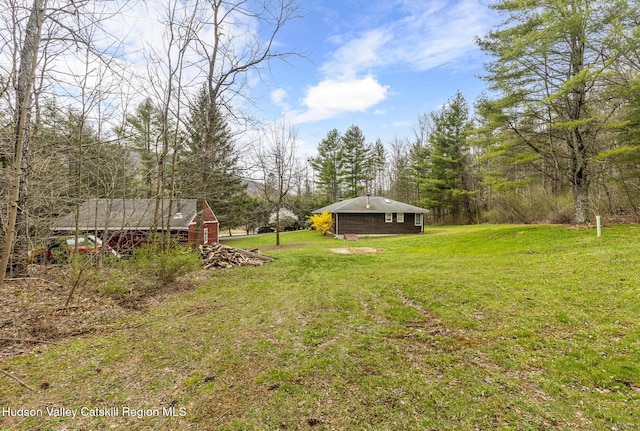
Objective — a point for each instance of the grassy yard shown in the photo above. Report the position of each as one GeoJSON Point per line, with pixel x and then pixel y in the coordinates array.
{"type": "Point", "coordinates": [461, 328]}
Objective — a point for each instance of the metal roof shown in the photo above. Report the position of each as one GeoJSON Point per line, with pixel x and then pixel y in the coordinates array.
{"type": "Point", "coordinates": [128, 214]}
{"type": "Point", "coordinates": [370, 204]}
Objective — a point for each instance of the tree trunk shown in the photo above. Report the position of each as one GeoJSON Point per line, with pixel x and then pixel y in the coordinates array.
{"type": "Point", "coordinates": [581, 204]}
{"type": "Point", "coordinates": [580, 180]}
{"type": "Point", "coordinates": [18, 195]}
{"type": "Point", "coordinates": [20, 258]}
{"type": "Point", "coordinates": [580, 199]}
{"type": "Point", "coordinates": [278, 221]}
{"type": "Point", "coordinates": [197, 235]}
{"type": "Point", "coordinates": [579, 140]}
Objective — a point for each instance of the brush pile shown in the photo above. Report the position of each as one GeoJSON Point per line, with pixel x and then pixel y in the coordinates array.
{"type": "Point", "coordinates": [219, 256]}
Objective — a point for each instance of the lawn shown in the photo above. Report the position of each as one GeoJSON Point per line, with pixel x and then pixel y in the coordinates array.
{"type": "Point", "coordinates": [460, 328]}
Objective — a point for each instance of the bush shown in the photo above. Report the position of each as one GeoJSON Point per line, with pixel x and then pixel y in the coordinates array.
{"type": "Point", "coordinates": [164, 266]}
{"type": "Point", "coordinates": [149, 269]}
{"type": "Point", "coordinates": [118, 285]}
{"type": "Point", "coordinates": [531, 204]}
{"type": "Point", "coordinates": [285, 218]}
{"type": "Point", "coordinates": [321, 222]}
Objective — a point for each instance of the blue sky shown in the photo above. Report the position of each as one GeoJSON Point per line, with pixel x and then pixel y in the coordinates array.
{"type": "Point", "coordinates": [378, 64]}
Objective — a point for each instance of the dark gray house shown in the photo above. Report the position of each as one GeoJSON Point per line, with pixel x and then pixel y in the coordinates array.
{"type": "Point", "coordinates": [374, 215]}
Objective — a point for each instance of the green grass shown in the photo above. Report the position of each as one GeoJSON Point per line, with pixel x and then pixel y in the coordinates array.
{"type": "Point", "coordinates": [461, 328]}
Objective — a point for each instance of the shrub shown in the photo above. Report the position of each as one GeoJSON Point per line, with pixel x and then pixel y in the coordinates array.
{"type": "Point", "coordinates": [285, 218]}
{"type": "Point", "coordinates": [164, 266]}
{"type": "Point", "coordinates": [81, 272]}
{"type": "Point", "coordinates": [118, 285]}
{"type": "Point", "coordinates": [321, 222]}
{"type": "Point", "coordinates": [531, 204]}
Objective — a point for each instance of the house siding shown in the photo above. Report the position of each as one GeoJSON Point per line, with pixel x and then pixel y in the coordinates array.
{"type": "Point", "coordinates": [374, 224]}
{"type": "Point", "coordinates": [212, 236]}
{"type": "Point", "coordinates": [210, 222]}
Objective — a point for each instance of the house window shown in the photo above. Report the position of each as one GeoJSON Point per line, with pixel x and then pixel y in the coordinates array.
{"type": "Point", "coordinates": [418, 219]}
{"type": "Point", "coordinates": [205, 237]}
{"type": "Point", "coordinates": [388, 217]}
{"type": "Point", "coordinates": [400, 218]}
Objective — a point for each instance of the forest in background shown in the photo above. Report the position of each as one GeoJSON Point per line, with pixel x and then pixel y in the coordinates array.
{"type": "Point", "coordinates": [553, 140]}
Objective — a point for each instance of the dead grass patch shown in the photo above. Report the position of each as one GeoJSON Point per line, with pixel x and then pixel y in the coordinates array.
{"type": "Point", "coordinates": [356, 250]}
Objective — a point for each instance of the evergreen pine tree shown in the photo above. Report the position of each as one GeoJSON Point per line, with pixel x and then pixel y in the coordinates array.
{"type": "Point", "coordinates": [354, 157]}
{"type": "Point", "coordinates": [225, 190]}
{"type": "Point", "coordinates": [143, 131]}
{"type": "Point", "coordinates": [445, 162]}
{"type": "Point", "coordinates": [327, 165]}
{"type": "Point", "coordinates": [552, 63]}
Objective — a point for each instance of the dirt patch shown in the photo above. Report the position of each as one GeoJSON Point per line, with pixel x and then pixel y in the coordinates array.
{"type": "Point", "coordinates": [356, 250]}
{"type": "Point", "coordinates": [33, 312]}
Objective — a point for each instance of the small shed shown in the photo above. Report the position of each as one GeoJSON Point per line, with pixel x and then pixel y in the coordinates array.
{"type": "Point", "coordinates": [374, 215]}
{"type": "Point", "coordinates": [128, 222]}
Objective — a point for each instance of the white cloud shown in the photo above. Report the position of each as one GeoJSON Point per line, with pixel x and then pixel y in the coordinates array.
{"type": "Point", "coordinates": [424, 35]}
{"type": "Point", "coordinates": [427, 35]}
{"type": "Point", "coordinates": [443, 34]}
{"type": "Point", "coordinates": [350, 95]}
{"type": "Point", "coordinates": [357, 55]}
{"type": "Point", "coordinates": [278, 96]}
{"type": "Point", "coordinates": [333, 97]}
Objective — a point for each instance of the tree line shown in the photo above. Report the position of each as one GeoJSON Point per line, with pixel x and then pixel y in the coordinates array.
{"type": "Point", "coordinates": [553, 139]}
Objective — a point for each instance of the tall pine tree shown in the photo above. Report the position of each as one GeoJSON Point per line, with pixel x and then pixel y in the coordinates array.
{"type": "Point", "coordinates": [225, 190]}
{"type": "Point", "coordinates": [143, 132]}
{"type": "Point", "coordinates": [376, 162]}
{"type": "Point", "coordinates": [445, 161]}
{"type": "Point", "coordinates": [327, 165]}
{"type": "Point", "coordinates": [354, 157]}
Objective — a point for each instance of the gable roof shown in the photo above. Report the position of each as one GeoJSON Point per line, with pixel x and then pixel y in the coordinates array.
{"type": "Point", "coordinates": [128, 214]}
{"type": "Point", "coordinates": [370, 204]}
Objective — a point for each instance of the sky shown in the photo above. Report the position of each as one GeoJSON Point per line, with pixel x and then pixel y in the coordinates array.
{"type": "Point", "coordinates": [377, 64]}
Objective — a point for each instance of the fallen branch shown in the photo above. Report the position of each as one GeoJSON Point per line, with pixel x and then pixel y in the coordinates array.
{"type": "Point", "coordinates": [251, 254]}
{"type": "Point", "coordinates": [222, 415]}
{"type": "Point", "coordinates": [17, 380]}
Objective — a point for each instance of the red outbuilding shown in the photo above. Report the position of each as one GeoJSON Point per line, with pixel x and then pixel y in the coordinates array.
{"type": "Point", "coordinates": [127, 223]}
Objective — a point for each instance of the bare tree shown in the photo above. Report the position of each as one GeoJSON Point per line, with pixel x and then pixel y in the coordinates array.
{"type": "Point", "coordinates": [36, 61]}
{"type": "Point", "coordinates": [402, 180]}
{"type": "Point", "coordinates": [241, 38]}
{"type": "Point", "coordinates": [278, 166]}
{"type": "Point", "coordinates": [18, 195]}
{"type": "Point", "coordinates": [167, 78]}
